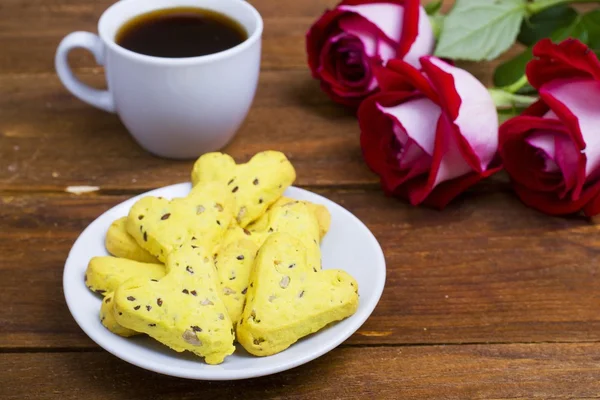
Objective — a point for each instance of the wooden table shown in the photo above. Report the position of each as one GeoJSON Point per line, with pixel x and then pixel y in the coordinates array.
{"type": "Point", "coordinates": [487, 299]}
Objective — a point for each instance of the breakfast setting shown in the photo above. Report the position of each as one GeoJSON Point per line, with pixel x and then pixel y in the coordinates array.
{"type": "Point", "coordinates": [358, 199]}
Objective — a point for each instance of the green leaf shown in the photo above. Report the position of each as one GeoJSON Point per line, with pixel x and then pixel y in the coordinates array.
{"type": "Point", "coordinates": [480, 30]}
{"type": "Point", "coordinates": [585, 27]}
{"type": "Point", "coordinates": [545, 23]}
{"type": "Point", "coordinates": [591, 23]}
{"type": "Point", "coordinates": [433, 7]}
{"type": "Point", "coordinates": [512, 70]}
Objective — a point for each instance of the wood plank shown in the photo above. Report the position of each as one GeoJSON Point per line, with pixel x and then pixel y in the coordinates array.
{"type": "Point", "coordinates": [32, 49]}
{"type": "Point", "coordinates": [545, 371]}
{"type": "Point", "coordinates": [485, 270]}
{"type": "Point", "coordinates": [50, 140]}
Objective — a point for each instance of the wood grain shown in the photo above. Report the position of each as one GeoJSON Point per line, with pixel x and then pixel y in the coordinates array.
{"type": "Point", "coordinates": [487, 269]}
{"type": "Point", "coordinates": [487, 299]}
{"type": "Point", "coordinates": [50, 140]}
{"type": "Point", "coordinates": [433, 372]}
{"type": "Point", "coordinates": [32, 50]}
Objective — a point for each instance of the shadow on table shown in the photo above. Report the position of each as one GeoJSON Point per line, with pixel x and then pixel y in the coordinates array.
{"type": "Point", "coordinates": [306, 93]}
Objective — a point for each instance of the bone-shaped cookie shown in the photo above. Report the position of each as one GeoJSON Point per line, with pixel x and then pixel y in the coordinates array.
{"type": "Point", "coordinates": [182, 310]}
{"type": "Point", "coordinates": [161, 226]}
{"type": "Point", "coordinates": [256, 184]}
{"type": "Point", "coordinates": [235, 259]}
{"type": "Point", "coordinates": [185, 232]}
{"type": "Point", "coordinates": [288, 300]}
{"type": "Point", "coordinates": [105, 274]}
{"type": "Point", "coordinates": [109, 320]}
{"type": "Point", "coordinates": [292, 217]}
{"type": "Point", "coordinates": [235, 256]}
{"type": "Point", "coordinates": [320, 211]}
{"type": "Point", "coordinates": [121, 244]}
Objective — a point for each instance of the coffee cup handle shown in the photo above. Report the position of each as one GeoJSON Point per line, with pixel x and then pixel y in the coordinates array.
{"type": "Point", "coordinates": [102, 99]}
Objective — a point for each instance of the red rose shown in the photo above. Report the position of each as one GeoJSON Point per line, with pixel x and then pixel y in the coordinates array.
{"type": "Point", "coordinates": [552, 151]}
{"type": "Point", "coordinates": [346, 42]}
{"type": "Point", "coordinates": [429, 135]}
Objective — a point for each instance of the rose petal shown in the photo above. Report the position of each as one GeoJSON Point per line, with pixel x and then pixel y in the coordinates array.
{"type": "Point", "coordinates": [399, 75]}
{"type": "Point", "coordinates": [379, 135]}
{"type": "Point", "coordinates": [363, 30]}
{"type": "Point", "coordinates": [326, 68]}
{"type": "Point", "coordinates": [537, 109]}
{"type": "Point", "coordinates": [570, 58]}
{"type": "Point", "coordinates": [470, 106]}
{"type": "Point", "coordinates": [424, 42]}
{"type": "Point", "coordinates": [519, 158]}
{"type": "Point", "coordinates": [559, 154]}
{"type": "Point", "coordinates": [385, 51]}
{"type": "Point", "coordinates": [418, 118]}
{"type": "Point", "coordinates": [452, 163]}
{"type": "Point", "coordinates": [412, 154]}
{"type": "Point", "coordinates": [445, 192]}
{"type": "Point", "coordinates": [375, 127]}
{"type": "Point", "coordinates": [317, 36]}
{"type": "Point", "coordinates": [406, 153]}
{"type": "Point", "coordinates": [592, 208]}
{"type": "Point", "coordinates": [398, 130]}
{"type": "Point", "coordinates": [410, 26]}
{"type": "Point", "coordinates": [580, 113]}
{"type": "Point", "coordinates": [567, 159]}
{"type": "Point", "coordinates": [418, 192]}
{"type": "Point", "coordinates": [544, 141]}
{"type": "Point", "coordinates": [385, 16]}
{"type": "Point", "coordinates": [351, 65]}
{"type": "Point", "coordinates": [332, 70]}
{"type": "Point", "coordinates": [550, 203]}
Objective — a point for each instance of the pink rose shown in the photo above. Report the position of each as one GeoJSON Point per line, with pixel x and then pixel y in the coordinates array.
{"type": "Point", "coordinates": [552, 150]}
{"type": "Point", "coordinates": [346, 42]}
{"type": "Point", "coordinates": [429, 134]}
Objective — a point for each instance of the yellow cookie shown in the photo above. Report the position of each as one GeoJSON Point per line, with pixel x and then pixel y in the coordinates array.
{"type": "Point", "coordinates": [235, 260]}
{"type": "Point", "coordinates": [287, 300]}
{"type": "Point", "coordinates": [105, 274]}
{"type": "Point", "coordinates": [161, 226]}
{"type": "Point", "coordinates": [234, 264]}
{"type": "Point", "coordinates": [320, 211]}
{"type": "Point", "coordinates": [285, 216]}
{"type": "Point", "coordinates": [292, 217]}
{"type": "Point", "coordinates": [120, 243]}
{"type": "Point", "coordinates": [182, 310]}
{"type": "Point", "coordinates": [256, 184]}
{"type": "Point", "coordinates": [296, 218]}
{"type": "Point", "coordinates": [107, 317]}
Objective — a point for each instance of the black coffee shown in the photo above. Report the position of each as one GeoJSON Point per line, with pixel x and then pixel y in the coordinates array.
{"type": "Point", "coordinates": [180, 32]}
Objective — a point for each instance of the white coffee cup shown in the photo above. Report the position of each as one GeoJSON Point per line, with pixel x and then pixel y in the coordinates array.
{"type": "Point", "coordinates": [173, 107]}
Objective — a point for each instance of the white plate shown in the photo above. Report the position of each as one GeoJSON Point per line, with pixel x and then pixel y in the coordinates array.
{"type": "Point", "coordinates": [349, 245]}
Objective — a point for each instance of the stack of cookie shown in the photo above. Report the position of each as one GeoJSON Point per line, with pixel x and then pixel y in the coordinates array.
{"type": "Point", "coordinates": [234, 260]}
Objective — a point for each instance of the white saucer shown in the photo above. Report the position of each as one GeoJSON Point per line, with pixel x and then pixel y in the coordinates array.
{"type": "Point", "coordinates": [349, 245]}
